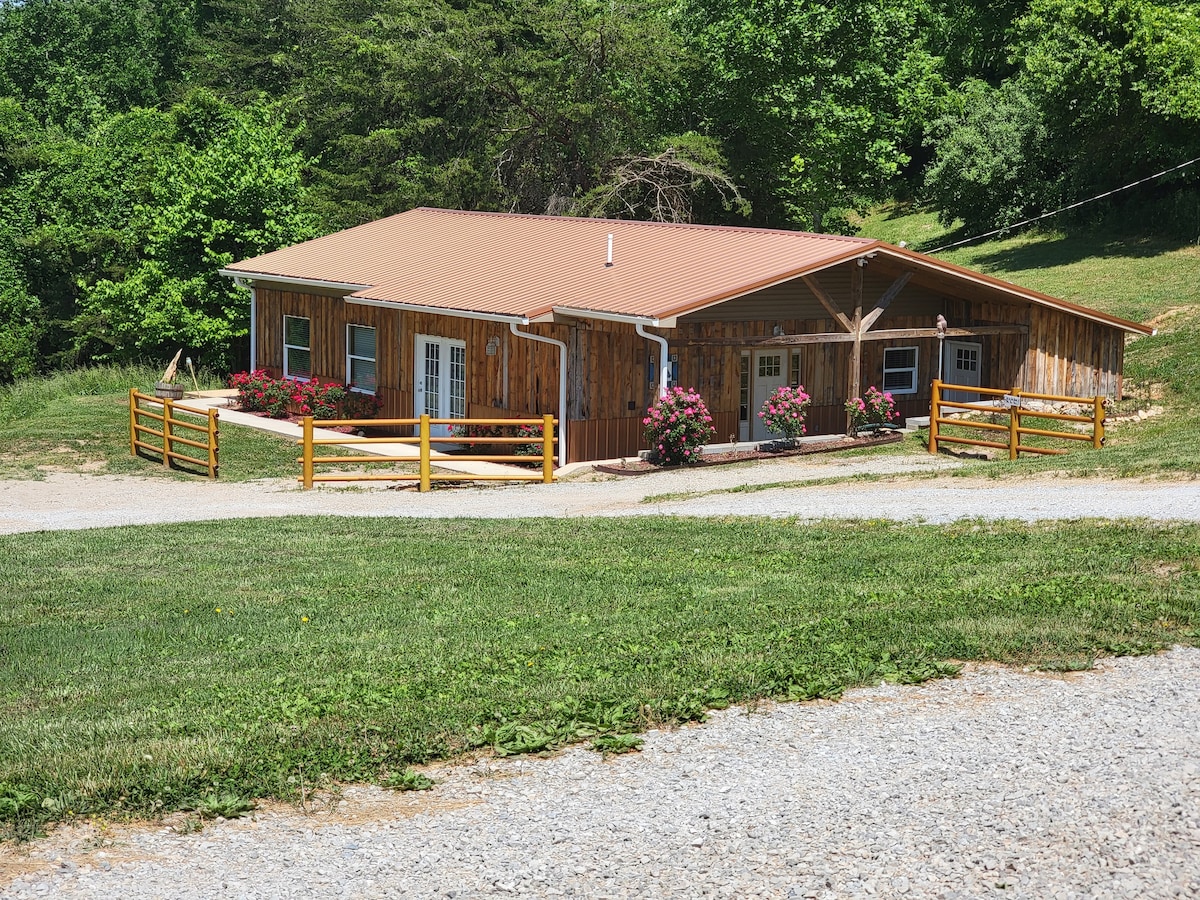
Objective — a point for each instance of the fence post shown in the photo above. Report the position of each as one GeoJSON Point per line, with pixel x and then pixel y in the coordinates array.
{"type": "Point", "coordinates": [166, 423]}
{"type": "Point", "coordinates": [1014, 428]}
{"type": "Point", "coordinates": [306, 455]}
{"type": "Point", "coordinates": [212, 443]}
{"type": "Point", "coordinates": [425, 452]}
{"type": "Point", "coordinates": [1098, 422]}
{"type": "Point", "coordinates": [547, 449]}
{"type": "Point", "coordinates": [133, 421]}
{"type": "Point", "coordinates": [935, 401]}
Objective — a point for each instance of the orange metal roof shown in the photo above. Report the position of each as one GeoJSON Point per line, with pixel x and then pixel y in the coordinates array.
{"type": "Point", "coordinates": [524, 266]}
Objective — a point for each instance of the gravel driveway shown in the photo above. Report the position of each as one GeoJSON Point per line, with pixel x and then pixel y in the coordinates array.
{"type": "Point", "coordinates": [65, 501]}
{"type": "Point", "coordinates": [999, 783]}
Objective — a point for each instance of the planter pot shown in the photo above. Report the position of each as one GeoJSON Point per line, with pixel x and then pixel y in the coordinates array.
{"type": "Point", "coordinates": [168, 391]}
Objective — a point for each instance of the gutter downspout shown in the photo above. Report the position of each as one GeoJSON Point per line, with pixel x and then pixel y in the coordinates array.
{"type": "Point", "coordinates": [562, 385]}
{"type": "Point", "coordinates": [664, 374]}
{"type": "Point", "coordinates": [242, 283]}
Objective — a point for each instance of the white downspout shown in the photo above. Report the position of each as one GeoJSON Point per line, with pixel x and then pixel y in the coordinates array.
{"type": "Point", "coordinates": [241, 282]}
{"type": "Point", "coordinates": [562, 386]}
{"type": "Point", "coordinates": [664, 375]}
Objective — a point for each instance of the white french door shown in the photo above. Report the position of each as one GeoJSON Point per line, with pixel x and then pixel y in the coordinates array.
{"type": "Point", "coordinates": [440, 380]}
{"type": "Point", "coordinates": [768, 371]}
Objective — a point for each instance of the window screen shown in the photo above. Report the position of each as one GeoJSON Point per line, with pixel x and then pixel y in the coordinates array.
{"type": "Point", "coordinates": [900, 370]}
{"type": "Point", "coordinates": [360, 358]}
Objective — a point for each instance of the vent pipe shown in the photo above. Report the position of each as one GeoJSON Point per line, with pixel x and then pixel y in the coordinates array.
{"type": "Point", "coordinates": [609, 263]}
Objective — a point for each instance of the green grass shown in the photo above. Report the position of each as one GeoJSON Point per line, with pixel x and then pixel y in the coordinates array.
{"type": "Point", "coordinates": [78, 421]}
{"type": "Point", "coordinates": [146, 668]}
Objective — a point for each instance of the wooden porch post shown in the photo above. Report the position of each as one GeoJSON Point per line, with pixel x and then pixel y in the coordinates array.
{"type": "Point", "coordinates": [854, 384]}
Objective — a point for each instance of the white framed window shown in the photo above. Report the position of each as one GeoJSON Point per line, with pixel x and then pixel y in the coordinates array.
{"type": "Point", "coordinates": [744, 388]}
{"type": "Point", "coordinates": [360, 358]}
{"type": "Point", "coordinates": [297, 352]}
{"type": "Point", "coordinates": [900, 370]}
{"type": "Point", "coordinates": [794, 370]}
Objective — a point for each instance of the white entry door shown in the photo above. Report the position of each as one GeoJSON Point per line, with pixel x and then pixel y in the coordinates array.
{"type": "Point", "coordinates": [768, 371]}
{"type": "Point", "coordinates": [961, 365]}
{"type": "Point", "coordinates": [440, 380]}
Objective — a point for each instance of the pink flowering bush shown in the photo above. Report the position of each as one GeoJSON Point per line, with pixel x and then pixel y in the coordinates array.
{"type": "Point", "coordinates": [783, 413]}
{"type": "Point", "coordinates": [875, 407]}
{"type": "Point", "coordinates": [677, 425]}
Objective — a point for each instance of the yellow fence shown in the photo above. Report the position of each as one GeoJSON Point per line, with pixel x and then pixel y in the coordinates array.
{"type": "Point", "coordinates": [1010, 403]}
{"type": "Point", "coordinates": [424, 441]}
{"type": "Point", "coordinates": [200, 423]}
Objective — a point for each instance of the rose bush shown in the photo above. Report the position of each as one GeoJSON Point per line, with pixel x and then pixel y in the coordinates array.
{"type": "Point", "coordinates": [875, 407]}
{"type": "Point", "coordinates": [259, 391]}
{"type": "Point", "coordinates": [677, 425]}
{"type": "Point", "coordinates": [783, 412]}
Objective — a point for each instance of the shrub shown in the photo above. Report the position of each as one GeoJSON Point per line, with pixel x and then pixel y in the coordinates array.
{"type": "Point", "coordinates": [677, 426]}
{"type": "Point", "coordinates": [875, 407]}
{"type": "Point", "coordinates": [258, 391]}
{"type": "Point", "coordinates": [783, 413]}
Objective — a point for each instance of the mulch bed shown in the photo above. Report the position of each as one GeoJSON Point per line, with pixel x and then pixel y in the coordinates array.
{"type": "Point", "coordinates": [645, 467]}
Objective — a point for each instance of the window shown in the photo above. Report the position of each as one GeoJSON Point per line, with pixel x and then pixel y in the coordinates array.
{"type": "Point", "coordinates": [360, 358]}
{"type": "Point", "coordinates": [297, 354]}
{"type": "Point", "coordinates": [770, 366]}
{"type": "Point", "coordinates": [794, 381]}
{"type": "Point", "coordinates": [900, 370]}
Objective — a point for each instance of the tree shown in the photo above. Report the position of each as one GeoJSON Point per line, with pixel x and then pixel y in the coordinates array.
{"type": "Point", "coordinates": [994, 164]}
{"type": "Point", "coordinates": [813, 102]}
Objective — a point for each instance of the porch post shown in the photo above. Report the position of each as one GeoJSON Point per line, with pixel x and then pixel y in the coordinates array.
{"type": "Point", "coordinates": [854, 385]}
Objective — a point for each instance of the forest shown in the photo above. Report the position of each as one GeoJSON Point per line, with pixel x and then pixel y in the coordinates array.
{"type": "Point", "coordinates": [146, 143]}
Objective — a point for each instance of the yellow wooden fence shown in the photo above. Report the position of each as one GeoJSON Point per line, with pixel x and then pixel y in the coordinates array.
{"type": "Point", "coordinates": [1011, 404]}
{"type": "Point", "coordinates": [424, 441]}
{"type": "Point", "coordinates": [169, 423]}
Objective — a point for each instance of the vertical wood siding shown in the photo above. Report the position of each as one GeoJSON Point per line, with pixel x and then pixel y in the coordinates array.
{"type": "Point", "coordinates": [611, 381]}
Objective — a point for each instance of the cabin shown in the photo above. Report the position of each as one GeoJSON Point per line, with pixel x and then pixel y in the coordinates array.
{"type": "Point", "coordinates": [485, 315]}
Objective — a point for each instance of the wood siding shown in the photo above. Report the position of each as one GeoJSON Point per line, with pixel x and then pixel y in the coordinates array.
{"type": "Point", "coordinates": [611, 379]}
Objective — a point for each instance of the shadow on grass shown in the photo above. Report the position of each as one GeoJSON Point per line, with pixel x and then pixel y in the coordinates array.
{"type": "Point", "coordinates": [1040, 250]}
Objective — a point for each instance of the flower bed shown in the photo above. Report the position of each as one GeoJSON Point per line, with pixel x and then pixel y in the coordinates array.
{"type": "Point", "coordinates": [281, 398]}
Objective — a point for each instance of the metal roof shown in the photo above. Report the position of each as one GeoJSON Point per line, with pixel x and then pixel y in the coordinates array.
{"type": "Point", "coordinates": [522, 266]}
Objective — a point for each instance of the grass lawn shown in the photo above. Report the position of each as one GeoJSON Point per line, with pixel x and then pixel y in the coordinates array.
{"type": "Point", "coordinates": [145, 667]}
{"type": "Point", "coordinates": [78, 421]}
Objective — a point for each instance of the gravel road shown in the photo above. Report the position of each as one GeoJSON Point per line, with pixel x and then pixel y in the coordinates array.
{"type": "Point", "coordinates": [67, 501]}
{"type": "Point", "coordinates": [998, 783]}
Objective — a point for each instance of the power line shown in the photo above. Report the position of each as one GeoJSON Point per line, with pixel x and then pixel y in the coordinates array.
{"type": "Point", "coordinates": [1132, 184]}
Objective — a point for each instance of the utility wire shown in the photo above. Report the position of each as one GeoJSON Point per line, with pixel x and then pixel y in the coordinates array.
{"type": "Point", "coordinates": [979, 237]}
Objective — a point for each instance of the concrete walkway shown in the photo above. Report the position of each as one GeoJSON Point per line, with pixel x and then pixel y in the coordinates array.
{"type": "Point", "coordinates": [205, 401]}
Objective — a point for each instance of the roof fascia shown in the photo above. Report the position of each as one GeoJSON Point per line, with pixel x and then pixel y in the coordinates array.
{"type": "Point", "coordinates": [439, 310]}
{"type": "Point", "coordinates": [1032, 296]}
{"type": "Point", "coordinates": [289, 279]}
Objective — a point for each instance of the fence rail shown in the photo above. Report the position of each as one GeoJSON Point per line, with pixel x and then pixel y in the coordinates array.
{"type": "Point", "coordinates": [424, 440]}
{"type": "Point", "coordinates": [1011, 405]}
{"type": "Point", "coordinates": [169, 422]}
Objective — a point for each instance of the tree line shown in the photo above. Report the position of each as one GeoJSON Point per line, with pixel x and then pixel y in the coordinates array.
{"type": "Point", "coordinates": [146, 143]}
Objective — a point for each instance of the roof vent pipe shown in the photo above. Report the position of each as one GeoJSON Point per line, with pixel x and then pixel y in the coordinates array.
{"type": "Point", "coordinates": [609, 263]}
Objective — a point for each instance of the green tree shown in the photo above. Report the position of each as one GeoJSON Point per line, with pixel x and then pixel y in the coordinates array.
{"type": "Point", "coordinates": [814, 102]}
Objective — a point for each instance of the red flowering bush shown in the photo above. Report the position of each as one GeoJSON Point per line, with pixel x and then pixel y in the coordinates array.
{"type": "Point", "coordinates": [783, 413]}
{"type": "Point", "coordinates": [875, 407]}
{"type": "Point", "coordinates": [677, 426]}
{"type": "Point", "coordinates": [258, 391]}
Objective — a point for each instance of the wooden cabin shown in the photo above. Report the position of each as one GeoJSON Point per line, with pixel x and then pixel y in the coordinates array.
{"type": "Point", "coordinates": [467, 315]}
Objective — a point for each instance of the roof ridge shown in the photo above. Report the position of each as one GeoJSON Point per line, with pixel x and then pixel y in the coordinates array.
{"type": "Point", "coordinates": [694, 226]}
